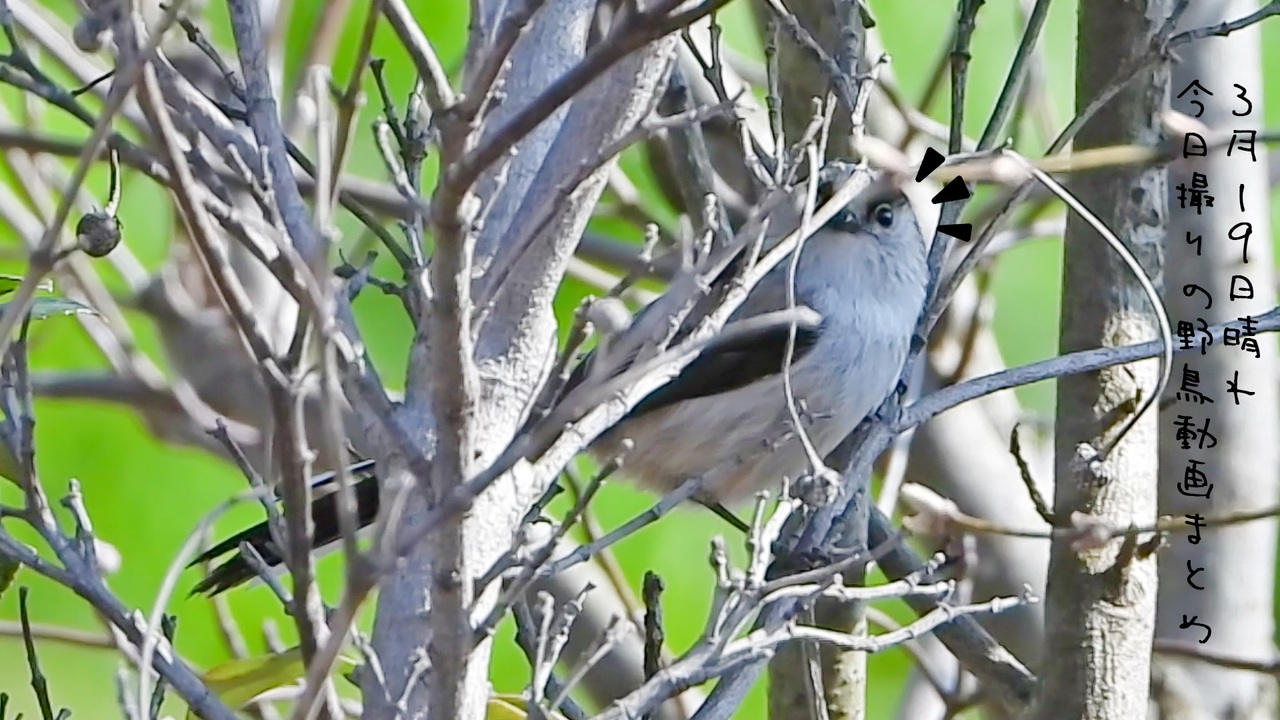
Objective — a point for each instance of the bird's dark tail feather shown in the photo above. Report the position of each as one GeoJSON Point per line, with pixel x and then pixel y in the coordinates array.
{"type": "Point", "coordinates": [324, 512]}
{"type": "Point", "coordinates": [725, 514]}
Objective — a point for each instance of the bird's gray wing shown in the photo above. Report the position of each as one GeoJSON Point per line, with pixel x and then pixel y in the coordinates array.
{"type": "Point", "coordinates": [735, 364]}
{"type": "Point", "coordinates": [723, 366]}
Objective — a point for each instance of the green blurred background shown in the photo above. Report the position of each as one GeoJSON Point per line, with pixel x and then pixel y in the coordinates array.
{"type": "Point", "coordinates": [145, 497]}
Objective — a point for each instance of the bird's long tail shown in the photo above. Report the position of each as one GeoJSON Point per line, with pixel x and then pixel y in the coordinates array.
{"type": "Point", "coordinates": [236, 570]}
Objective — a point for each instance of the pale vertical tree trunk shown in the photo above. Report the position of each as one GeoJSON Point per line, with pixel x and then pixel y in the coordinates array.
{"type": "Point", "coordinates": [427, 603]}
{"type": "Point", "coordinates": [1100, 603]}
{"type": "Point", "coordinates": [1238, 561]}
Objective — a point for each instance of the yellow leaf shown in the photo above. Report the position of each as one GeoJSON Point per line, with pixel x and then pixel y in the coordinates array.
{"type": "Point", "coordinates": [500, 709]}
{"type": "Point", "coordinates": [505, 706]}
{"type": "Point", "coordinates": [8, 571]}
{"type": "Point", "coordinates": [240, 680]}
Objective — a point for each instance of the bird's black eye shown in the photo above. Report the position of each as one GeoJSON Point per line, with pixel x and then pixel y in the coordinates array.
{"type": "Point", "coordinates": [883, 215]}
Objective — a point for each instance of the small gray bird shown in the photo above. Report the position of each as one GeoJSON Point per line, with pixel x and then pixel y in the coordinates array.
{"type": "Point", "coordinates": [725, 416]}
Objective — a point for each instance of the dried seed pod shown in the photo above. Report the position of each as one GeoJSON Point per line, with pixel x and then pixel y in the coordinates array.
{"type": "Point", "coordinates": [98, 233]}
{"type": "Point", "coordinates": [91, 33]}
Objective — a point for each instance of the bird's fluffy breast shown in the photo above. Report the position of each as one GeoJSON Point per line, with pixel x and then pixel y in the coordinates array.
{"type": "Point", "coordinates": [831, 381]}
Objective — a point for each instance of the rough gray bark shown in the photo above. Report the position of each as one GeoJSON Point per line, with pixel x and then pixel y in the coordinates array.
{"type": "Point", "coordinates": [1238, 561]}
{"type": "Point", "coordinates": [433, 665]}
{"type": "Point", "coordinates": [1100, 603]}
{"type": "Point", "coordinates": [513, 351]}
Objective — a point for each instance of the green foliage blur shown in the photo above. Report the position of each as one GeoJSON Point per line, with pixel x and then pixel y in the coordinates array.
{"type": "Point", "coordinates": [145, 497]}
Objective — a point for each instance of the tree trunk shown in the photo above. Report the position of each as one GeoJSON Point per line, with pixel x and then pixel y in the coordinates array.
{"type": "Point", "coordinates": [1100, 603]}
{"type": "Point", "coordinates": [426, 604]}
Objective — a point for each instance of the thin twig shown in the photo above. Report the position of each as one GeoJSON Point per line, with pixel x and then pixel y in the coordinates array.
{"type": "Point", "coordinates": [39, 685]}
